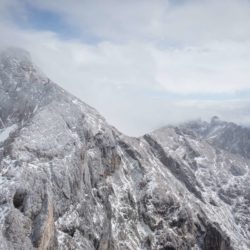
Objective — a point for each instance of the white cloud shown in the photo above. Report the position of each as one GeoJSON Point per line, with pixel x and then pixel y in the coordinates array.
{"type": "Point", "coordinates": [218, 67]}
{"type": "Point", "coordinates": [150, 58]}
{"type": "Point", "coordinates": [162, 21]}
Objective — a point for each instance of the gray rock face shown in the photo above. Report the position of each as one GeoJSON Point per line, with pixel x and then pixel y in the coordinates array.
{"type": "Point", "coordinates": [224, 135]}
{"type": "Point", "coordinates": [69, 180]}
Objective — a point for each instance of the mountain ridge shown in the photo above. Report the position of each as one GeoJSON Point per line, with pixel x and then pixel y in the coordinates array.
{"type": "Point", "coordinates": [69, 180]}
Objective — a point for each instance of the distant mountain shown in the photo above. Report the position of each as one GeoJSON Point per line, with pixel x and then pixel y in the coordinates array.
{"type": "Point", "coordinates": [69, 180]}
{"type": "Point", "coordinates": [225, 135]}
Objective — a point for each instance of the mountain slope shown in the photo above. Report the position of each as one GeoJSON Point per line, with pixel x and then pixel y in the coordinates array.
{"type": "Point", "coordinates": [219, 177]}
{"type": "Point", "coordinates": [69, 180]}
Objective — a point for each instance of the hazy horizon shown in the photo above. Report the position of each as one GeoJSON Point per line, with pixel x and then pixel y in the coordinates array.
{"type": "Point", "coordinates": [141, 64]}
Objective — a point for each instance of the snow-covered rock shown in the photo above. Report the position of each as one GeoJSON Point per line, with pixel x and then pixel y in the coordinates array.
{"type": "Point", "coordinates": [69, 180]}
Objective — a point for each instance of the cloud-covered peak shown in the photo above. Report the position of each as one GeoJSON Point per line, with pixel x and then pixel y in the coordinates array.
{"type": "Point", "coordinates": [15, 54]}
{"type": "Point", "coordinates": [140, 63]}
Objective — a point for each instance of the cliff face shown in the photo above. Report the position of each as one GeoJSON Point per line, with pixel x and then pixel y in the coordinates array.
{"type": "Point", "coordinates": [69, 180]}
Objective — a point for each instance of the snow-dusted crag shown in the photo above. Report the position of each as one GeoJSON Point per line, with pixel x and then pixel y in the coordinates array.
{"type": "Point", "coordinates": [69, 180]}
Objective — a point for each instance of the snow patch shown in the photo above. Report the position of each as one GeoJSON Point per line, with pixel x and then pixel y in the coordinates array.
{"type": "Point", "coordinates": [4, 135]}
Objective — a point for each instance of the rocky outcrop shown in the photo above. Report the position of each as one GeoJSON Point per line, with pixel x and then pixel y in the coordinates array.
{"type": "Point", "coordinates": [43, 232]}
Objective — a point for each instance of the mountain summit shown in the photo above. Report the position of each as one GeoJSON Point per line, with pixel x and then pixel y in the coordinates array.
{"type": "Point", "coordinates": [69, 180]}
{"type": "Point", "coordinates": [222, 134]}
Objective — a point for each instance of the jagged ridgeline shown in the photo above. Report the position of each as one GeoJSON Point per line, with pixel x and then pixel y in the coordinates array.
{"type": "Point", "coordinates": [69, 180]}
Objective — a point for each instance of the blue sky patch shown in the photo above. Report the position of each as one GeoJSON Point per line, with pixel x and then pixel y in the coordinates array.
{"type": "Point", "coordinates": [40, 19]}
{"type": "Point", "coordinates": [46, 20]}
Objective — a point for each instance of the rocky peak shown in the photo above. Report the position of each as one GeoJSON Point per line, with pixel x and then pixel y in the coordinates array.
{"type": "Point", "coordinates": [225, 135]}
{"type": "Point", "coordinates": [23, 88]}
{"type": "Point", "coordinates": [215, 120]}
{"type": "Point", "coordinates": [15, 58]}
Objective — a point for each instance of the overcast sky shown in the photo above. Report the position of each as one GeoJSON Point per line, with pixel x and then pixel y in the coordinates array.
{"type": "Point", "coordinates": [141, 63]}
